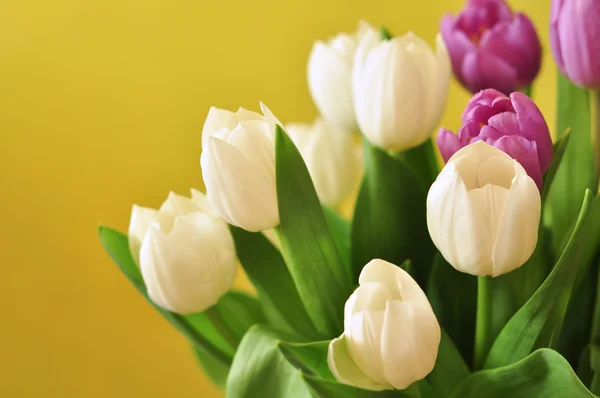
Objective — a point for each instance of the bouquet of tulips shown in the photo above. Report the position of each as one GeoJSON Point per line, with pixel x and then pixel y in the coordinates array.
{"type": "Point", "coordinates": [479, 280]}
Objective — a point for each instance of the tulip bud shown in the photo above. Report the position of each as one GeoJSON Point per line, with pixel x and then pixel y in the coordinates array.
{"type": "Point", "coordinates": [391, 335]}
{"type": "Point", "coordinates": [330, 157]}
{"type": "Point", "coordinates": [187, 255]}
{"type": "Point", "coordinates": [330, 77]}
{"type": "Point", "coordinates": [483, 211]}
{"type": "Point", "coordinates": [514, 125]}
{"type": "Point", "coordinates": [238, 167]}
{"type": "Point", "coordinates": [574, 34]}
{"type": "Point", "coordinates": [491, 47]}
{"type": "Point", "coordinates": [400, 88]}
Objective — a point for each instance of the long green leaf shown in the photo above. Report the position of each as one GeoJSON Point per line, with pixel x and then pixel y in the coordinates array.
{"type": "Point", "coordinates": [308, 357]}
{"type": "Point", "coordinates": [116, 244]}
{"type": "Point", "coordinates": [237, 312]}
{"type": "Point", "coordinates": [595, 343]}
{"type": "Point", "coordinates": [560, 147]}
{"type": "Point", "coordinates": [453, 296]}
{"type": "Point", "coordinates": [545, 373]}
{"type": "Point", "coordinates": [340, 231]}
{"type": "Point", "coordinates": [323, 388]}
{"type": "Point", "coordinates": [576, 172]}
{"type": "Point", "coordinates": [215, 369]}
{"type": "Point", "coordinates": [450, 368]}
{"type": "Point", "coordinates": [307, 245]}
{"type": "Point", "coordinates": [259, 369]}
{"type": "Point", "coordinates": [422, 161]}
{"type": "Point", "coordinates": [546, 308]}
{"type": "Point", "coordinates": [268, 272]}
{"type": "Point", "coordinates": [390, 216]}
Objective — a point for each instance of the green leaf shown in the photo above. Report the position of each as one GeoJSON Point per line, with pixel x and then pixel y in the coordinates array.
{"type": "Point", "coordinates": [269, 274]}
{"type": "Point", "coordinates": [453, 296]}
{"type": "Point", "coordinates": [259, 369]}
{"type": "Point", "coordinates": [234, 314]}
{"type": "Point", "coordinates": [323, 388]}
{"type": "Point", "coordinates": [215, 369]}
{"type": "Point", "coordinates": [450, 368]}
{"type": "Point", "coordinates": [309, 357]}
{"type": "Point", "coordinates": [545, 373]}
{"type": "Point", "coordinates": [423, 163]}
{"type": "Point", "coordinates": [390, 216]}
{"type": "Point", "coordinates": [576, 172]}
{"type": "Point", "coordinates": [560, 148]}
{"type": "Point", "coordinates": [117, 246]}
{"type": "Point", "coordinates": [307, 245]}
{"type": "Point", "coordinates": [340, 231]}
{"type": "Point", "coordinates": [595, 343]}
{"type": "Point", "coordinates": [545, 310]}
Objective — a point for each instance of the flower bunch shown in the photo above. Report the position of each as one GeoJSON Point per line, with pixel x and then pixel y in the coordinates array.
{"type": "Point", "coordinates": [476, 278]}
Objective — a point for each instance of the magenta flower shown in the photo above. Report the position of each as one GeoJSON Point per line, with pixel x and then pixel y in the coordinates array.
{"type": "Point", "coordinates": [515, 125]}
{"type": "Point", "coordinates": [491, 47]}
{"type": "Point", "coordinates": [575, 40]}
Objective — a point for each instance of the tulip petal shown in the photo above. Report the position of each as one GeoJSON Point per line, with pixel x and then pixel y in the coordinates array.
{"type": "Point", "coordinates": [457, 43]}
{"type": "Point", "coordinates": [216, 120]}
{"type": "Point", "coordinates": [203, 203]}
{"type": "Point", "coordinates": [525, 152]}
{"type": "Point", "coordinates": [141, 219]}
{"type": "Point", "coordinates": [448, 143]}
{"type": "Point", "coordinates": [345, 369]}
{"type": "Point", "coordinates": [439, 87]}
{"type": "Point", "coordinates": [518, 230]}
{"type": "Point", "coordinates": [254, 139]}
{"type": "Point", "coordinates": [482, 69]}
{"type": "Point", "coordinates": [410, 340]}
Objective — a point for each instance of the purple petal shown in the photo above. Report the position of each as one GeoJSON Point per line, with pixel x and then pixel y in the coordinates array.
{"type": "Point", "coordinates": [482, 70]}
{"type": "Point", "coordinates": [533, 127]}
{"type": "Point", "coordinates": [457, 44]}
{"type": "Point", "coordinates": [480, 106]}
{"type": "Point", "coordinates": [555, 45]}
{"type": "Point", "coordinates": [525, 152]}
{"type": "Point", "coordinates": [490, 134]}
{"type": "Point", "coordinates": [468, 131]}
{"type": "Point", "coordinates": [506, 123]}
{"type": "Point", "coordinates": [448, 143]}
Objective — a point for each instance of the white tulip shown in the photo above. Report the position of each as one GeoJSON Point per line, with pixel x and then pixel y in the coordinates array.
{"type": "Point", "coordinates": [330, 77]}
{"type": "Point", "coordinates": [391, 335]}
{"type": "Point", "coordinates": [238, 167]}
{"type": "Point", "coordinates": [187, 255]}
{"type": "Point", "coordinates": [483, 211]}
{"type": "Point", "coordinates": [400, 89]}
{"type": "Point", "coordinates": [329, 154]}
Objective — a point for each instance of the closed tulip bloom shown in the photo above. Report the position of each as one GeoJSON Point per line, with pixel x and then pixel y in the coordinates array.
{"type": "Point", "coordinates": [400, 88]}
{"type": "Point", "coordinates": [330, 157]}
{"type": "Point", "coordinates": [574, 40]}
{"type": "Point", "coordinates": [141, 219]}
{"type": "Point", "coordinates": [513, 124]}
{"type": "Point", "coordinates": [391, 335]}
{"type": "Point", "coordinates": [492, 47]}
{"type": "Point", "coordinates": [330, 77]}
{"type": "Point", "coordinates": [483, 211]}
{"type": "Point", "coordinates": [187, 255]}
{"type": "Point", "coordinates": [238, 167]}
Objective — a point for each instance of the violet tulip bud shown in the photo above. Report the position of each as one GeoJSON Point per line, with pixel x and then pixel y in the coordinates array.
{"type": "Point", "coordinates": [492, 47]}
{"type": "Point", "coordinates": [513, 124]}
{"type": "Point", "coordinates": [574, 38]}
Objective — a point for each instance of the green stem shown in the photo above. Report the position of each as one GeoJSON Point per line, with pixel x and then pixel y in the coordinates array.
{"type": "Point", "coordinates": [595, 113]}
{"type": "Point", "coordinates": [213, 314]}
{"type": "Point", "coordinates": [595, 341]}
{"type": "Point", "coordinates": [483, 325]}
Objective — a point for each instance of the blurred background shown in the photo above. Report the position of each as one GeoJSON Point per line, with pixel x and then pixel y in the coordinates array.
{"type": "Point", "coordinates": [101, 106]}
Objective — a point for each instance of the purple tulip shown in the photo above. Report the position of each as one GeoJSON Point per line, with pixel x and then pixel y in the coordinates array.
{"type": "Point", "coordinates": [491, 47]}
{"type": "Point", "coordinates": [514, 125]}
{"type": "Point", "coordinates": [575, 40]}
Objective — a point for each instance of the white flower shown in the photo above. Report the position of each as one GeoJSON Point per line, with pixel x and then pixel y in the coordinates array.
{"type": "Point", "coordinates": [330, 157]}
{"type": "Point", "coordinates": [330, 77]}
{"type": "Point", "coordinates": [238, 167]}
{"type": "Point", "coordinates": [187, 255]}
{"type": "Point", "coordinates": [483, 211]}
{"type": "Point", "coordinates": [400, 89]}
{"type": "Point", "coordinates": [391, 335]}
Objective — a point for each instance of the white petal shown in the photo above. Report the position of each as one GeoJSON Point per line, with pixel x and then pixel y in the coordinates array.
{"type": "Point", "coordinates": [141, 218]}
{"type": "Point", "coordinates": [189, 269]}
{"type": "Point", "coordinates": [270, 117]}
{"type": "Point", "coordinates": [217, 119]}
{"type": "Point", "coordinates": [439, 85]}
{"type": "Point", "coordinates": [203, 203]}
{"type": "Point", "coordinates": [253, 139]}
{"type": "Point", "coordinates": [345, 369]}
{"type": "Point", "coordinates": [244, 114]}
{"type": "Point", "coordinates": [518, 230]}
{"type": "Point", "coordinates": [242, 194]}
{"type": "Point", "coordinates": [178, 205]}
{"type": "Point", "coordinates": [363, 340]}
{"type": "Point", "coordinates": [410, 340]}
{"type": "Point", "coordinates": [399, 284]}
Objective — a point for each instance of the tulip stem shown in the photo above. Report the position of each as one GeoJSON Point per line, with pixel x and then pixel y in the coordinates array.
{"type": "Point", "coordinates": [595, 108]}
{"type": "Point", "coordinates": [483, 325]}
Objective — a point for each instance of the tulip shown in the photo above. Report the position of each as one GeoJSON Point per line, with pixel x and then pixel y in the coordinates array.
{"type": "Point", "coordinates": [238, 167]}
{"type": "Point", "coordinates": [574, 36]}
{"type": "Point", "coordinates": [483, 211]}
{"type": "Point", "coordinates": [187, 255]}
{"type": "Point", "coordinates": [492, 47]}
{"type": "Point", "coordinates": [514, 125]}
{"type": "Point", "coordinates": [329, 154]}
{"type": "Point", "coordinates": [391, 335]}
{"type": "Point", "coordinates": [400, 88]}
{"type": "Point", "coordinates": [330, 77]}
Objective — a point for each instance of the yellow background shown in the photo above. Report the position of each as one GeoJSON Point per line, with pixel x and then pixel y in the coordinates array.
{"type": "Point", "coordinates": [101, 106]}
